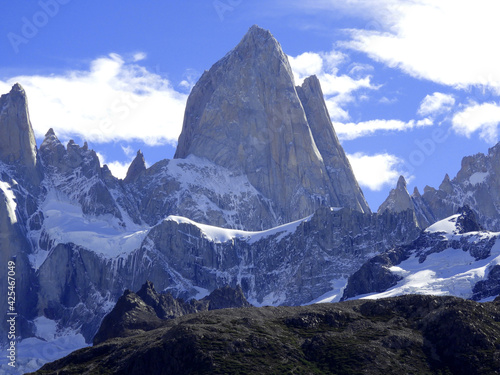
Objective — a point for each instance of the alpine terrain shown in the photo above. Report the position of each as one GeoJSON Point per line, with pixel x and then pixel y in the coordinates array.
{"type": "Point", "coordinates": [258, 206]}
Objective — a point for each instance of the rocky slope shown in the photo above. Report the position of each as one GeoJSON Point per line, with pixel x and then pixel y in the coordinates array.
{"type": "Point", "coordinates": [451, 257]}
{"type": "Point", "coordinates": [145, 310]}
{"type": "Point", "coordinates": [476, 185]}
{"type": "Point", "coordinates": [402, 335]}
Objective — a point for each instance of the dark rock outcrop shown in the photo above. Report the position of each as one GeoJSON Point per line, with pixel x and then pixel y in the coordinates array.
{"type": "Point", "coordinates": [467, 221]}
{"type": "Point", "coordinates": [145, 310]}
{"type": "Point", "coordinates": [403, 335]}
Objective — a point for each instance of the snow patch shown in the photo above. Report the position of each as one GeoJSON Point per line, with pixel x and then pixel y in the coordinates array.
{"type": "Point", "coordinates": [450, 272]}
{"type": "Point", "coordinates": [334, 295]}
{"type": "Point", "coordinates": [10, 200]}
{"type": "Point", "coordinates": [65, 222]}
{"type": "Point", "coordinates": [46, 329]}
{"type": "Point", "coordinates": [33, 353]}
{"type": "Point", "coordinates": [448, 225]}
{"type": "Point", "coordinates": [222, 235]}
{"type": "Point", "coordinates": [478, 178]}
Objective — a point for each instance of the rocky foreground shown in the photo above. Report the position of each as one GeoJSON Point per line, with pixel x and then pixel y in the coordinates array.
{"type": "Point", "coordinates": [403, 335]}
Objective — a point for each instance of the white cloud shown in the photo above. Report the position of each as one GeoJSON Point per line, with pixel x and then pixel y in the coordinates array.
{"type": "Point", "coordinates": [338, 89]}
{"type": "Point", "coordinates": [305, 65]}
{"type": "Point", "coordinates": [349, 131]}
{"type": "Point", "coordinates": [127, 150]}
{"type": "Point", "coordinates": [452, 42]}
{"type": "Point", "coordinates": [484, 118]}
{"type": "Point", "coordinates": [139, 56]}
{"type": "Point", "coordinates": [117, 168]}
{"type": "Point", "coordinates": [436, 103]}
{"type": "Point", "coordinates": [114, 100]}
{"type": "Point", "coordinates": [376, 171]}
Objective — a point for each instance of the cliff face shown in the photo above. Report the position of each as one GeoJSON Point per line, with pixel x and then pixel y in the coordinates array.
{"type": "Point", "coordinates": [246, 114]}
{"type": "Point", "coordinates": [17, 140]}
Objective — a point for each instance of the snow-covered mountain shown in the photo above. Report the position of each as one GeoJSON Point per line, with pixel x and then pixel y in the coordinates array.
{"type": "Point", "coordinates": [246, 201]}
{"type": "Point", "coordinates": [260, 194]}
{"type": "Point", "coordinates": [454, 256]}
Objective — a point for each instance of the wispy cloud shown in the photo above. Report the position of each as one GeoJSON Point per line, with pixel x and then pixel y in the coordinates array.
{"type": "Point", "coordinates": [114, 100]}
{"type": "Point", "coordinates": [350, 131]}
{"type": "Point", "coordinates": [339, 89]}
{"type": "Point", "coordinates": [436, 103]}
{"type": "Point", "coordinates": [377, 171]}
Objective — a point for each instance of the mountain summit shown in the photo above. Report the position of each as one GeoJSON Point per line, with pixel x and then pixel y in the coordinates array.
{"type": "Point", "coordinates": [17, 140]}
{"type": "Point", "coordinates": [246, 114]}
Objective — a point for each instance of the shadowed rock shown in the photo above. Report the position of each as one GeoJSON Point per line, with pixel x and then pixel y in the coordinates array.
{"type": "Point", "coordinates": [145, 310]}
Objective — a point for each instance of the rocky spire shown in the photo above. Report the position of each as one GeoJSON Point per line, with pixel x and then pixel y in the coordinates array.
{"type": "Point", "coordinates": [137, 166]}
{"type": "Point", "coordinates": [52, 150]}
{"type": "Point", "coordinates": [17, 140]}
{"type": "Point", "coordinates": [245, 115]}
{"type": "Point", "coordinates": [345, 186]}
{"type": "Point", "coordinates": [399, 199]}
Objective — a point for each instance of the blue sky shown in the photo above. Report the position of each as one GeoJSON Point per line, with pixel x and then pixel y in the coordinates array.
{"type": "Point", "coordinates": [412, 86]}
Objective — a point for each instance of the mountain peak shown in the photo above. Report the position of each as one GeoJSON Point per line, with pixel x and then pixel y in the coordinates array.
{"type": "Point", "coordinates": [257, 36]}
{"type": "Point", "coordinates": [398, 200]}
{"type": "Point", "coordinates": [245, 114]}
{"type": "Point", "coordinates": [17, 140]}
{"type": "Point", "coordinates": [257, 31]}
{"type": "Point", "coordinates": [17, 87]}
{"type": "Point", "coordinates": [401, 183]}
{"type": "Point", "coordinates": [137, 166]}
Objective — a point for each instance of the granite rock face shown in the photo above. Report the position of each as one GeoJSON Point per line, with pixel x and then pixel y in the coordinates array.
{"type": "Point", "coordinates": [400, 200]}
{"type": "Point", "coordinates": [20, 176]}
{"type": "Point", "coordinates": [76, 172]}
{"type": "Point", "coordinates": [17, 140]}
{"type": "Point", "coordinates": [245, 114]}
{"type": "Point", "coordinates": [136, 168]}
{"type": "Point", "coordinates": [279, 266]}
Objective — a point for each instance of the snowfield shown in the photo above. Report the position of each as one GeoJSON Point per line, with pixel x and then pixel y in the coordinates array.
{"type": "Point", "coordinates": [449, 272]}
